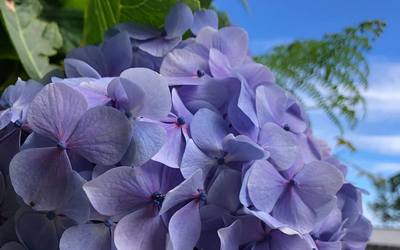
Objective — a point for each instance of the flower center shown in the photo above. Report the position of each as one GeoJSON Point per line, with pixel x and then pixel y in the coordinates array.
{"type": "Point", "coordinates": [200, 73]}
{"type": "Point", "coordinates": [158, 199]}
{"type": "Point", "coordinates": [51, 215]}
{"type": "Point", "coordinates": [202, 196]}
{"type": "Point", "coordinates": [18, 123]}
{"type": "Point", "coordinates": [221, 161]}
{"type": "Point", "coordinates": [286, 127]}
{"type": "Point", "coordinates": [108, 222]}
{"type": "Point", "coordinates": [180, 121]}
{"type": "Point", "coordinates": [61, 145]}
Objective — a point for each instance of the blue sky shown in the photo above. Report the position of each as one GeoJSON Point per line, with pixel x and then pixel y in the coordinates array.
{"type": "Point", "coordinates": [377, 137]}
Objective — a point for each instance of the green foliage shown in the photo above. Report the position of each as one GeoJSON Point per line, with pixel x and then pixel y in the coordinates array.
{"type": "Point", "coordinates": [332, 72]}
{"type": "Point", "coordinates": [101, 15]}
{"type": "Point", "coordinates": [387, 203]}
{"type": "Point", "coordinates": [34, 40]}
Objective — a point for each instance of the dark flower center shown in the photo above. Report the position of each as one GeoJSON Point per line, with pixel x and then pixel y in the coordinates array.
{"type": "Point", "coordinates": [202, 196]}
{"type": "Point", "coordinates": [286, 127]}
{"type": "Point", "coordinates": [61, 145]}
{"type": "Point", "coordinates": [221, 161]}
{"type": "Point", "coordinates": [200, 73]}
{"type": "Point", "coordinates": [128, 114]}
{"type": "Point", "coordinates": [108, 222]}
{"type": "Point", "coordinates": [158, 199]}
{"type": "Point", "coordinates": [51, 215]}
{"type": "Point", "coordinates": [18, 123]}
{"type": "Point", "coordinates": [180, 121]}
{"type": "Point", "coordinates": [292, 183]}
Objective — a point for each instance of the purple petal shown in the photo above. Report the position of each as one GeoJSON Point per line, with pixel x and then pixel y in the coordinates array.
{"type": "Point", "coordinates": [76, 205]}
{"type": "Point", "coordinates": [159, 47]}
{"type": "Point", "coordinates": [147, 139]}
{"type": "Point", "coordinates": [179, 107]}
{"type": "Point", "coordinates": [317, 182]}
{"type": "Point", "coordinates": [241, 148]}
{"type": "Point", "coordinates": [280, 240]}
{"type": "Point", "coordinates": [55, 111]}
{"type": "Point", "coordinates": [185, 191]}
{"type": "Point", "coordinates": [94, 90]}
{"type": "Point", "coordinates": [232, 42]}
{"type": "Point", "coordinates": [138, 31]}
{"type": "Point", "coordinates": [183, 66]}
{"type": "Point", "coordinates": [10, 138]}
{"type": "Point", "coordinates": [178, 20]}
{"type": "Point", "coordinates": [141, 229]}
{"type": "Point", "coordinates": [172, 151]}
{"type": "Point", "coordinates": [157, 103]}
{"type": "Point", "coordinates": [255, 74]}
{"type": "Point", "coordinates": [5, 118]}
{"type": "Point", "coordinates": [13, 246]}
{"type": "Point", "coordinates": [223, 195]}
{"type": "Point", "coordinates": [118, 52]}
{"type": "Point", "coordinates": [264, 194]}
{"type": "Point", "coordinates": [92, 55]}
{"type": "Point", "coordinates": [204, 18]}
{"type": "Point", "coordinates": [270, 104]}
{"type": "Point", "coordinates": [77, 68]}
{"type": "Point", "coordinates": [208, 129]}
{"type": "Point", "coordinates": [280, 144]}
{"type": "Point", "coordinates": [41, 176]}
{"type": "Point", "coordinates": [101, 136]}
{"type": "Point", "coordinates": [128, 190]}
{"type": "Point", "coordinates": [127, 95]}
{"type": "Point", "coordinates": [194, 159]}
{"type": "Point", "coordinates": [205, 36]}
{"type": "Point", "coordinates": [219, 64]}
{"type": "Point", "coordinates": [185, 226]}
{"type": "Point", "coordinates": [88, 237]}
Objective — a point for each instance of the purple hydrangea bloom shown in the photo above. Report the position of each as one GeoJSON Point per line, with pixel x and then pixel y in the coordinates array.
{"type": "Point", "coordinates": [155, 142]}
{"type": "Point", "coordinates": [15, 101]}
{"type": "Point", "coordinates": [137, 197]}
{"type": "Point", "coordinates": [299, 198]}
{"type": "Point", "coordinates": [99, 135]}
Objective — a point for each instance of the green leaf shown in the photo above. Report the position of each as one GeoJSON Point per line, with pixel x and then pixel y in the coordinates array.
{"type": "Point", "coordinates": [34, 40]}
{"type": "Point", "coordinates": [101, 15]}
{"type": "Point", "coordinates": [70, 24]}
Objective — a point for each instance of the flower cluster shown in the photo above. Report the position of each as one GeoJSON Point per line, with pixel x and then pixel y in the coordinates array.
{"type": "Point", "coordinates": [155, 142]}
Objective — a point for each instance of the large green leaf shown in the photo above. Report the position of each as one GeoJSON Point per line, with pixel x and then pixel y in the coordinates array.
{"type": "Point", "coordinates": [101, 15]}
{"type": "Point", "coordinates": [34, 40]}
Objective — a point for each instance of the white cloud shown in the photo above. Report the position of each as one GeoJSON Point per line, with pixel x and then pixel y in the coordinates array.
{"type": "Point", "coordinates": [383, 96]}
{"type": "Point", "coordinates": [385, 167]}
{"type": "Point", "coordinates": [383, 144]}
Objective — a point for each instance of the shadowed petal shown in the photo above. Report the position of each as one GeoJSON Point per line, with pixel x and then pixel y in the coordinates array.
{"type": "Point", "coordinates": [172, 151]}
{"type": "Point", "coordinates": [117, 51]}
{"type": "Point", "coordinates": [101, 136]}
{"type": "Point", "coordinates": [178, 20]}
{"type": "Point", "coordinates": [159, 47]}
{"type": "Point", "coordinates": [10, 138]}
{"type": "Point", "coordinates": [241, 148]}
{"type": "Point", "coordinates": [13, 246]}
{"type": "Point", "coordinates": [87, 236]}
{"type": "Point", "coordinates": [41, 175]}
{"type": "Point", "coordinates": [208, 129]}
{"type": "Point", "coordinates": [128, 96]}
{"type": "Point", "coordinates": [187, 190]}
{"type": "Point", "coordinates": [223, 195]}
{"type": "Point", "coordinates": [77, 68]}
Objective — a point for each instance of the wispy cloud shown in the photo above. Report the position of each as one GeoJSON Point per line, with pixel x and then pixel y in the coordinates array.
{"type": "Point", "coordinates": [383, 144]}
{"type": "Point", "coordinates": [385, 167]}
